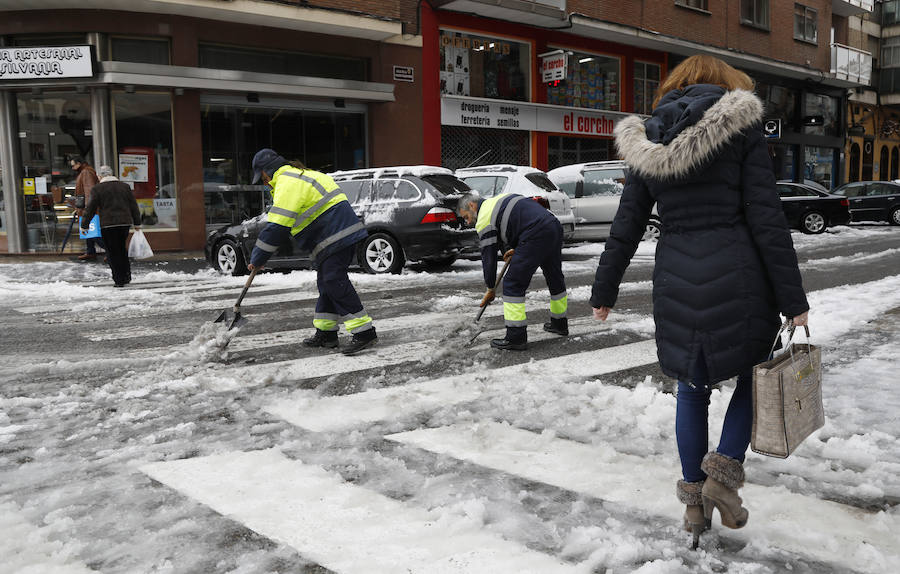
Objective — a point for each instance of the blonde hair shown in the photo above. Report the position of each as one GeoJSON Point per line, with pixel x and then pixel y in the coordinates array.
{"type": "Point", "coordinates": [703, 69]}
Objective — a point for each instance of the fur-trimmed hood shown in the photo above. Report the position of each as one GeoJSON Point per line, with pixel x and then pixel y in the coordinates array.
{"type": "Point", "coordinates": [686, 129]}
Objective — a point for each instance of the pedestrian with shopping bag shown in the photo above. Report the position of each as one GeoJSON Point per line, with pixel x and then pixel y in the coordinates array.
{"type": "Point", "coordinates": [114, 201]}
{"type": "Point", "coordinates": [725, 264]}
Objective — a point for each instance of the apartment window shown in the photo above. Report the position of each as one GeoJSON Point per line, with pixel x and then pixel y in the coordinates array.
{"type": "Point", "coordinates": [755, 13]}
{"type": "Point", "coordinates": [890, 52]}
{"type": "Point", "coordinates": [287, 63]}
{"type": "Point", "coordinates": [646, 82]}
{"type": "Point", "coordinates": [891, 12]}
{"type": "Point", "coordinates": [140, 50]}
{"type": "Point", "coordinates": [698, 4]}
{"type": "Point", "coordinates": [805, 23]}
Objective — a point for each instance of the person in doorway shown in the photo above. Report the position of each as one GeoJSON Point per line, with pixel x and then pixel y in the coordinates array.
{"type": "Point", "coordinates": [84, 184]}
{"type": "Point", "coordinates": [532, 237]}
{"type": "Point", "coordinates": [310, 209]}
{"type": "Point", "coordinates": [118, 210]}
{"type": "Point", "coordinates": [725, 264]}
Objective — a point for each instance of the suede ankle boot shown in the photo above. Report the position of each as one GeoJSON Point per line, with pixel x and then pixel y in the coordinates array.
{"type": "Point", "coordinates": [689, 494]}
{"type": "Point", "coordinates": [724, 476]}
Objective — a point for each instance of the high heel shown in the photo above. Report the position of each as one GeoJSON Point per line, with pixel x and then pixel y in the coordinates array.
{"type": "Point", "coordinates": [724, 476]}
{"type": "Point", "coordinates": [689, 493]}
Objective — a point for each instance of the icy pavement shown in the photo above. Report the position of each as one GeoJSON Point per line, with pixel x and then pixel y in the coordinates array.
{"type": "Point", "coordinates": [130, 442]}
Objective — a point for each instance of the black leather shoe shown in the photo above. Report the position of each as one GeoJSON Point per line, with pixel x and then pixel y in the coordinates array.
{"type": "Point", "coordinates": [327, 339]}
{"type": "Point", "coordinates": [361, 340]}
{"type": "Point", "coordinates": [558, 326]}
{"type": "Point", "coordinates": [506, 345]}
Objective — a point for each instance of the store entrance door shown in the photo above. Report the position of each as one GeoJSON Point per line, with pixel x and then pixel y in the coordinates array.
{"type": "Point", "coordinates": [53, 127]}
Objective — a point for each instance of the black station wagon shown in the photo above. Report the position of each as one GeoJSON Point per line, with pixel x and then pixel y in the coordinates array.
{"type": "Point", "coordinates": [873, 200]}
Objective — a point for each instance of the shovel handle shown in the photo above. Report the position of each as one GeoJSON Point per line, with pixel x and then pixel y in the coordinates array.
{"type": "Point", "coordinates": [496, 284]}
{"type": "Point", "coordinates": [237, 304]}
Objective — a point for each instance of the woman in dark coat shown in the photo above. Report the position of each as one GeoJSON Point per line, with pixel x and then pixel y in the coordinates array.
{"type": "Point", "coordinates": [725, 263]}
{"type": "Point", "coordinates": [118, 210]}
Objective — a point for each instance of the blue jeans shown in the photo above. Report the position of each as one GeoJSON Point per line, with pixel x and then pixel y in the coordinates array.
{"type": "Point", "coordinates": [692, 425]}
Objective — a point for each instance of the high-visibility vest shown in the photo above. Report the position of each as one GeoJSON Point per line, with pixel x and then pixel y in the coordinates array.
{"type": "Point", "coordinates": [300, 196]}
{"type": "Point", "coordinates": [488, 228]}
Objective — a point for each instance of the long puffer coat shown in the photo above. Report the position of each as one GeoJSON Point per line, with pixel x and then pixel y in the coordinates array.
{"type": "Point", "coordinates": [725, 262]}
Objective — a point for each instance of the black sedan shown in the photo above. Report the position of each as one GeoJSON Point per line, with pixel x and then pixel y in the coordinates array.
{"type": "Point", "coordinates": [811, 210]}
{"type": "Point", "coordinates": [873, 200]}
{"type": "Point", "coordinates": [409, 214]}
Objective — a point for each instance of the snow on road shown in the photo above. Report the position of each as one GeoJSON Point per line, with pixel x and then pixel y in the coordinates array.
{"type": "Point", "coordinates": [158, 460]}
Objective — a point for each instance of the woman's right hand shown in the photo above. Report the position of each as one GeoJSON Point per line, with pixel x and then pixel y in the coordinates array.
{"type": "Point", "coordinates": [801, 320]}
{"type": "Point", "coordinates": [601, 313]}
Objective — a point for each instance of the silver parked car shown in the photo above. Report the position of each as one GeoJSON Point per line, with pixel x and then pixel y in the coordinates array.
{"type": "Point", "coordinates": [595, 190]}
{"type": "Point", "coordinates": [491, 180]}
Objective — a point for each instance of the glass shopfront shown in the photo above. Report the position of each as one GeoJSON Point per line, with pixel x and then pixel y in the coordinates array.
{"type": "Point", "coordinates": [592, 81]}
{"type": "Point", "coordinates": [484, 67]}
{"type": "Point", "coordinates": [819, 165]}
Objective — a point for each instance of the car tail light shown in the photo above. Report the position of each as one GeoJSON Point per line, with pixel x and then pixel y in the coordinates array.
{"type": "Point", "coordinates": [439, 215]}
{"type": "Point", "coordinates": [542, 200]}
{"type": "Point", "coordinates": [845, 202]}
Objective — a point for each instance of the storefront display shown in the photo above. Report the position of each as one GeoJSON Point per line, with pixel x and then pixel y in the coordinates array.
{"type": "Point", "coordinates": [592, 81]}
{"type": "Point", "coordinates": [819, 165]}
{"type": "Point", "coordinates": [646, 83]}
{"type": "Point", "coordinates": [484, 67]}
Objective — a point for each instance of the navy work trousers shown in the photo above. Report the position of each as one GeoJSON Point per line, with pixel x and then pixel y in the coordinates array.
{"type": "Point", "coordinates": [538, 247]}
{"type": "Point", "coordinates": [336, 294]}
{"type": "Point", "coordinates": [692, 421]}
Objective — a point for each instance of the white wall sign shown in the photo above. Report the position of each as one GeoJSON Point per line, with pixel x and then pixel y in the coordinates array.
{"type": "Point", "coordinates": [500, 114]}
{"type": "Point", "coordinates": [133, 167]}
{"type": "Point", "coordinates": [46, 63]}
{"type": "Point", "coordinates": [553, 66]}
{"type": "Point", "coordinates": [404, 74]}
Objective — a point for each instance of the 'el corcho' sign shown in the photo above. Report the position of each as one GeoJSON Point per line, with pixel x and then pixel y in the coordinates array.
{"type": "Point", "coordinates": [46, 63]}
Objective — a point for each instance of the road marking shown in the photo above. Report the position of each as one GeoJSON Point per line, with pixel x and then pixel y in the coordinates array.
{"type": "Point", "coordinates": [820, 529]}
{"type": "Point", "coordinates": [345, 528]}
{"type": "Point", "coordinates": [334, 413]}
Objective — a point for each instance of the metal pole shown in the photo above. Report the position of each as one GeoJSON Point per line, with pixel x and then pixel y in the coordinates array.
{"type": "Point", "coordinates": [10, 161]}
{"type": "Point", "coordinates": [100, 124]}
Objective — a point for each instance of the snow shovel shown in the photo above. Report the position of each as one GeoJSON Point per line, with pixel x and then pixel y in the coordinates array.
{"type": "Point", "coordinates": [496, 285]}
{"type": "Point", "coordinates": [234, 316]}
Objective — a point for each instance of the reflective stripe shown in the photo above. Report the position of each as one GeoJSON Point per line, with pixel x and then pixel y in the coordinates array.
{"type": "Point", "coordinates": [513, 313]}
{"type": "Point", "coordinates": [359, 315]}
{"type": "Point", "coordinates": [319, 204]}
{"type": "Point", "coordinates": [325, 324]}
{"type": "Point", "coordinates": [510, 323]}
{"type": "Point", "coordinates": [360, 324]}
{"type": "Point", "coordinates": [336, 237]}
{"type": "Point", "coordinates": [308, 180]}
{"type": "Point", "coordinates": [506, 214]}
{"type": "Point", "coordinates": [492, 240]}
{"type": "Point", "coordinates": [511, 299]}
{"type": "Point", "coordinates": [327, 316]}
{"type": "Point", "coordinates": [560, 295]}
{"type": "Point", "coordinates": [266, 246]}
{"type": "Point", "coordinates": [282, 211]}
{"type": "Point", "coordinates": [559, 304]}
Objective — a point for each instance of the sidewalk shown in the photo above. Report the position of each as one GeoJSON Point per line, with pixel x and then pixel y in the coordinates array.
{"type": "Point", "coordinates": [187, 261]}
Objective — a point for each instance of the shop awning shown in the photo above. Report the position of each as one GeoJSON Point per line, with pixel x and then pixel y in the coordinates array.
{"type": "Point", "coordinates": [224, 81]}
{"type": "Point", "coordinates": [611, 32]}
{"type": "Point", "coordinates": [544, 13]}
{"type": "Point", "coordinates": [254, 12]}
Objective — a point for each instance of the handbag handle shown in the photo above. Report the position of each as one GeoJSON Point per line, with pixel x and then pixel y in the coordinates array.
{"type": "Point", "coordinates": [789, 325]}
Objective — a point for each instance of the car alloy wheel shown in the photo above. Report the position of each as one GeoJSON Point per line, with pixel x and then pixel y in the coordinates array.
{"type": "Point", "coordinates": [228, 260]}
{"type": "Point", "coordinates": [381, 254]}
{"type": "Point", "coordinates": [813, 222]}
{"type": "Point", "coordinates": [895, 216]}
{"type": "Point", "coordinates": [652, 231]}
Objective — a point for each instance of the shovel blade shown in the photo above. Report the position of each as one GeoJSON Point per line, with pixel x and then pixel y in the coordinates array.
{"type": "Point", "coordinates": [238, 321]}
{"type": "Point", "coordinates": [225, 315]}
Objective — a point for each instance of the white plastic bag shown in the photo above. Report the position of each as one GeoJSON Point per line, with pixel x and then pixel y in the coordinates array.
{"type": "Point", "coordinates": [139, 248]}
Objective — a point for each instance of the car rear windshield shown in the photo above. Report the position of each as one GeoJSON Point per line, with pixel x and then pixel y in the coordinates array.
{"type": "Point", "coordinates": [447, 184]}
{"type": "Point", "coordinates": [541, 180]}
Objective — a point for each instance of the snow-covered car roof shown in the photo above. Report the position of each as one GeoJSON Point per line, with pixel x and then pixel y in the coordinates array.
{"type": "Point", "coordinates": [570, 173]}
{"type": "Point", "coordinates": [497, 168]}
{"type": "Point", "coordinates": [393, 171]}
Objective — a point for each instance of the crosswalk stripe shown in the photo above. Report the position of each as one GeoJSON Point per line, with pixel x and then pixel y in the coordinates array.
{"type": "Point", "coordinates": [821, 529]}
{"type": "Point", "coordinates": [343, 527]}
{"type": "Point", "coordinates": [391, 403]}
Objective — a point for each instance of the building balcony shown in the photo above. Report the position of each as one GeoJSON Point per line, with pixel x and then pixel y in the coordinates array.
{"type": "Point", "coordinates": [851, 64]}
{"type": "Point", "coordinates": [851, 7]}
{"type": "Point", "coordinates": [533, 12]}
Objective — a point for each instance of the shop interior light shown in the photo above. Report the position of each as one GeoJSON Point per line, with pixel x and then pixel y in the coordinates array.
{"type": "Point", "coordinates": [216, 159]}
{"type": "Point", "coordinates": [585, 60]}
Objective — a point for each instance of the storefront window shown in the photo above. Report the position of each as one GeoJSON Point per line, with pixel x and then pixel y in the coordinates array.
{"type": "Point", "coordinates": [592, 81]}
{"type": "Point", "coordinates": [819, 165]}
{"type": "Point", "coordinates": [780, 103]}
{"type": "Point", "coordinates": [484, 67]}
{"type": "Point", "coordinates": [140, 50]}
{"type": "Point", "coordinates": [646, 82]}
{"type": "Point", "coordinates": [568, 150]}
{"type": "Point", "coordinates": [783, 160]}
{"type": "Point", "coordinates": [53, 127]}
{"type": "Point", "coordinates": [143, 132]}
{"type": "Point", "coordinates": [821, 115]}
{"type": "Point", "coordinates": [278, 62]}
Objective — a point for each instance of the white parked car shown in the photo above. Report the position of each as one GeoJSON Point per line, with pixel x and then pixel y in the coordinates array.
{"type": "Point", "coordinates": [595, 190]}
{"type": "Point", "coordinates": [491, 180]}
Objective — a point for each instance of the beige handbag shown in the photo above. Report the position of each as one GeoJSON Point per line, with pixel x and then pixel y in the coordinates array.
{"type": "Point", "coordinates": [787, 397]}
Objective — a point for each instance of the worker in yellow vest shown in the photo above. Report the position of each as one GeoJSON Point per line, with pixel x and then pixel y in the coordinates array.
{"type": "Point", "coordinates": [310, 209]}
{"type": "Point", "coordinates": [514, 222]}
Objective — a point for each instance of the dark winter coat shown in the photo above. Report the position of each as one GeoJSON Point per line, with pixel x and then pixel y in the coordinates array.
{"type": "Point", "coordinates": [115, 203]}
{"type": "Point", "coordinates": [725, 262]}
